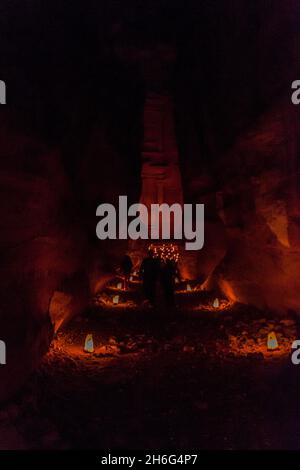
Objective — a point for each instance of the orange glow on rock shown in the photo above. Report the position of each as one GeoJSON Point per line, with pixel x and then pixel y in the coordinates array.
{"type": "Point", "coordinates": [228, 291]}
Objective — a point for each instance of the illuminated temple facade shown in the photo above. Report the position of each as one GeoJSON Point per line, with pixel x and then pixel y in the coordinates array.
{"type": "Point", "coordinates": [161, 180]}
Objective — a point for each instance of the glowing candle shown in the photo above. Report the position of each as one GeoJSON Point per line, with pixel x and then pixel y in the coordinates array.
{"type": "Point", "coordinates": [216, 303]}
{"type": "Point", "coordinates": [188, 287]}
{"type": "Point", "coordinates": [116, 299]}
{"type": "Point", "coordinates": [119, 285]}
{"type": "Point", "coordinates": [89, 344]}
{"type": "Point", "coordinates": [272, 341]}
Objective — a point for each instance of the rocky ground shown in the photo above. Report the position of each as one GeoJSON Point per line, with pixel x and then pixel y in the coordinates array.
{"type": "Point", "coordinates": [192, 379]}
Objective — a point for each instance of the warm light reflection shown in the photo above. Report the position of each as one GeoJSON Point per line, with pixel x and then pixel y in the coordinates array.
{"type": "Point", "coordinates": [228, 290]}
{"type": "Point", "coordinates": [107, 302]}
{"type": "Point", "coordinates": [244, 346]}
{"type": "Point", "coordinates": [223, 305]}
{"type": "Point", "coordinates": [246, 340]}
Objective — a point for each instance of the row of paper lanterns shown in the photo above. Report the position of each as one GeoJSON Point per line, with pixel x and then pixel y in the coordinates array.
{"type": "Point", "coordinates": [272, 342]}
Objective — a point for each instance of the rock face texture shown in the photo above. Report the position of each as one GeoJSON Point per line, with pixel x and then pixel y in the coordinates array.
{"type": "Point", "coordinates": [259, 203]}
{"type": "Point", "coordinates": [161, 179]}
{"type": "Point", "coordinates": [51, 260]}
{"type": "Point", "coordinates": [42, 252]}
{"type": "Point", "coordinates": [201, 264]}
{"type": "Point", "coordinates": [104, 175]}
{"type": "Point", "coordinates": [240, 154]}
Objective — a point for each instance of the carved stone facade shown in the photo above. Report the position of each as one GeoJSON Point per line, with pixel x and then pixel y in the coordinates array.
{"type": "Point", "coordinates": [161, 179]}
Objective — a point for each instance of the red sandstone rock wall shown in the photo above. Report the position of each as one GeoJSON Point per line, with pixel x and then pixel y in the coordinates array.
{"type": "Point", "coordinates": [260, 207]}
{"type": "Point", "coordinates": [42, 251]}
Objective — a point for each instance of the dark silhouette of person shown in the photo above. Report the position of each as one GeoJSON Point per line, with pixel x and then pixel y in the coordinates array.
{"type": "Point", "coordinates": [167, 274]}
{"type": "Point", "coordinates": [126, 268]}
{"type": "Point", "coordinates": [149, 272]}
